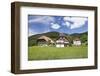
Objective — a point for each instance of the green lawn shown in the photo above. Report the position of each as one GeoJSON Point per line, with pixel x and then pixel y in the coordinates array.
{"type": "Point", "coordinates": [49, 53]}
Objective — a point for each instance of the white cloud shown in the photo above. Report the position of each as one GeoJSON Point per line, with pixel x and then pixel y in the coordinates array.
{"type": "Point", "coordinates": [55, 26]}
{"type": "Point", "coordinates": [77, 22]}
{"type": "Point", "coordinates": [67, 23]}
{"type": "Point", "coordinates": [42, 19]}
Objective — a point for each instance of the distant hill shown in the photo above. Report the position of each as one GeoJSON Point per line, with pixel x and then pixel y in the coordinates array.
{"type": "Point", "coordinates": [79, 34]}
{"type": "Point", "coordinates": [55, 35]}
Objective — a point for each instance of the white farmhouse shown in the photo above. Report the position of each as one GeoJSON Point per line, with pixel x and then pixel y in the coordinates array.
{"type": "Point", "coordinates": [77, 42]}
{"type": "Point", "coordinates": [62, 41]}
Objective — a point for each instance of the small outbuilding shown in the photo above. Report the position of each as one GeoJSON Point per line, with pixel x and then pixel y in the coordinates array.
{"type": "Point", "coordinates": [77, 42]}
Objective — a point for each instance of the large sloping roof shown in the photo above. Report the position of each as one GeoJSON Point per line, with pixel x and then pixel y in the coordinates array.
{"type": "Point", "coordinates": [46, 38]}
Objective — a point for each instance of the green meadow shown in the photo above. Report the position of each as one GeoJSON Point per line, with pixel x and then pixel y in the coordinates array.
{"type": "Point", "coordinates": [52, 53]}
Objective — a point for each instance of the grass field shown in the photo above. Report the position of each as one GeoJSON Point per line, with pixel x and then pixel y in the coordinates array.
{"type": "Point", "coordinates": [50, 53]}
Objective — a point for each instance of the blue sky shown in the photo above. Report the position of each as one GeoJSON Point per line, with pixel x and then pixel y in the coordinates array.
{"type": "Point", "coordinates": [38, 24]}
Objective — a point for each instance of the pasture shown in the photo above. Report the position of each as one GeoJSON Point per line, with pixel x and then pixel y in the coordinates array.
{"type": "Point", "coordinates": [52, 53]}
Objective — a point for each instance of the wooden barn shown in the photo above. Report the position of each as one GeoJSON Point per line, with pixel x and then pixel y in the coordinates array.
{"type": "Point", "coordinates": [44, 41]}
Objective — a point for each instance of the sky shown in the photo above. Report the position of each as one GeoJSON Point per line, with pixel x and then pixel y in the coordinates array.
{"type": "Point", "coordinates": [38, 24]}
